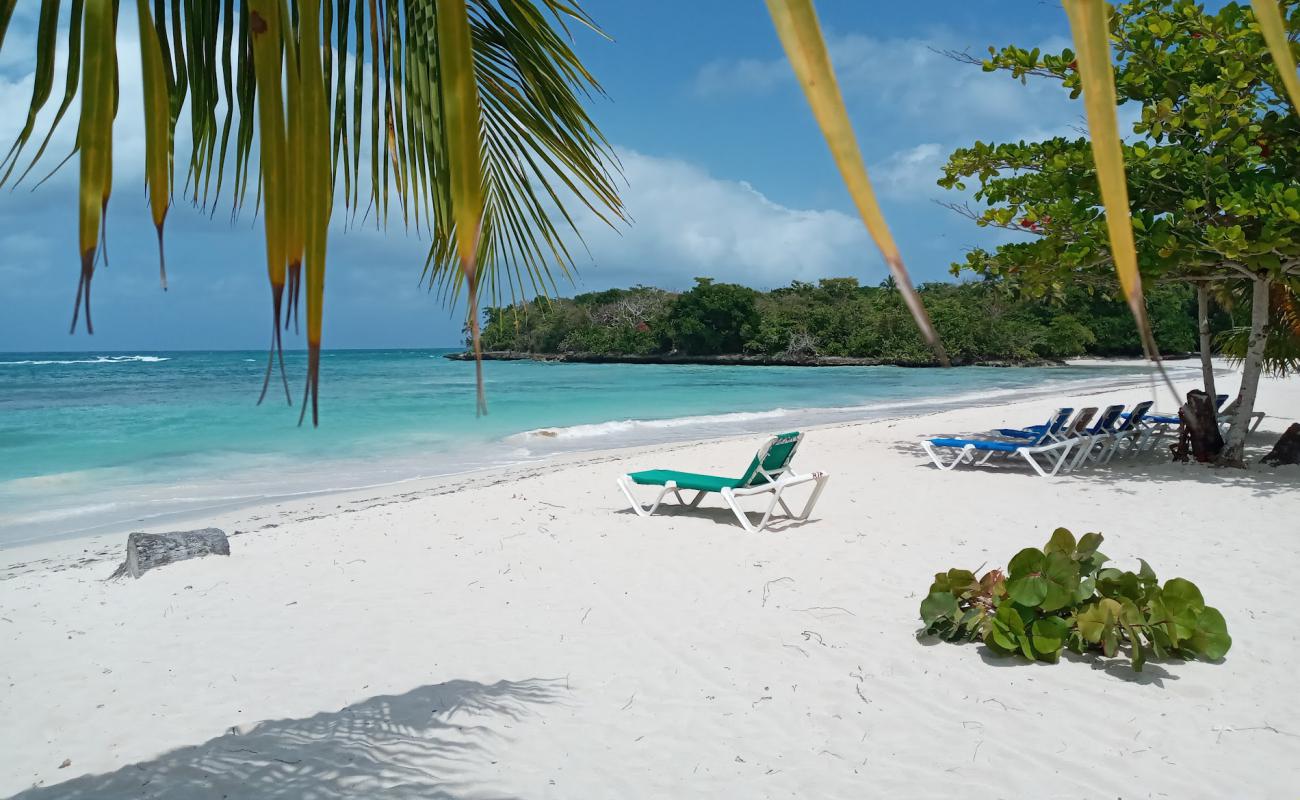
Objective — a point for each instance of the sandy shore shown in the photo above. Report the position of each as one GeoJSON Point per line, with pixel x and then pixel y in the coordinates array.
{"type": "Point", "coordinates": [522, 634]}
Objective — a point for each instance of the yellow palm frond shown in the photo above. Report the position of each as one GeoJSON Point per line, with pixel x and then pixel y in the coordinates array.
{"type": "Point", "coordinates": [1269, 16]}
{"type": "Point", "coordinates": [796, 24]}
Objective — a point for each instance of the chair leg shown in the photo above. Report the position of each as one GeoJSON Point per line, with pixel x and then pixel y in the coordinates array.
{"type": "Point", "coordinates": [812, 499]}
{"type": "Point", "coordinates": [730, 499]}
{"type": "Point", "coordinates": [625, 484]}
{"type": "Point", "coordinates": [1034, 463]}
{"type": "Point", "coordinates": [778, 499]}
{"type": "Point", "coordinates": [966, 452]}
{"type": "Point", "coordinates": [767, 515]}
{"type": "Point", "coordinates": [1054, 460]}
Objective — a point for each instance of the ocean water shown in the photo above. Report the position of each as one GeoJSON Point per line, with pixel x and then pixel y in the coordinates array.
{"type": "Point", "coordinates": [94, 442]}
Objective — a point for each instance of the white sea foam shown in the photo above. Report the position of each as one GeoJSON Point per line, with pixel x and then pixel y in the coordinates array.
{"type": "Point", "coordinates": [650, 430]}
{"type": "Point", "coordinates": [95, 360]}
{"type": "Point", "coordinates": [614, 428]}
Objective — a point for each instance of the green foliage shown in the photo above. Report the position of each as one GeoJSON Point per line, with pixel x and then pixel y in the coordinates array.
{"type": "Point", "coordinates": [980, 322]}
{"type": "Point", "coordinates": [1282, 343]}
{"type": "Point", "coordinates": [1213, 167]}
{"type": "Point", "coordinates": [1063, 596]}
{"type": "Point", "coordinates": [713, 318]}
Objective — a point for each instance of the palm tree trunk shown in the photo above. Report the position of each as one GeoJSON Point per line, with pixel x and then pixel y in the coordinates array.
{"type": "Point", "coordinates": [1203, 323]}
{"type": "Point", "coordinates": [1251, 368]}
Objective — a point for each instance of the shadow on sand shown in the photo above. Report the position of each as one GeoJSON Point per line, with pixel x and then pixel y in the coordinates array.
{"type": "Point", "coordinates": [422, 744]}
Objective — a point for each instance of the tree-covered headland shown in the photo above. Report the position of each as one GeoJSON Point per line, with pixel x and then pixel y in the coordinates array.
{"type": "Point", "coordinates": [981, 321]}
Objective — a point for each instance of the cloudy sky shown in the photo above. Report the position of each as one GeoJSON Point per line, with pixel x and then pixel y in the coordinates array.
{"type": "Point", "coordinates": [725, 175]}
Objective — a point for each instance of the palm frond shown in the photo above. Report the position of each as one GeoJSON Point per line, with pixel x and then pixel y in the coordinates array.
{"type": "Point", "coordinates": [1282, 346]}
{"type": "Point", "coordinates": [1271, 24]}
{"type": "Point", "coordinates": [475, 114]}
{"type": "Point", "coordinates": [1089, 24]}
{"type": "Point", "coordinates": [797, 25]}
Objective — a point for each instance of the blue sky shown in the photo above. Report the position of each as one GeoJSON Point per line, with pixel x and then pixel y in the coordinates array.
{"type": "Point", "coordinates": [726, 176]}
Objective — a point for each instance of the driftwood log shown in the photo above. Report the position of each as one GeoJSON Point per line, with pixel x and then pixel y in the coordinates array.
{"type": "Point", "coordinates": [1287, 449]}
{"type": "Point", "coordinates": [144, 551]}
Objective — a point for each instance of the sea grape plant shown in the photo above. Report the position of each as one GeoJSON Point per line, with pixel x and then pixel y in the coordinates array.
{"type": "Point", "coordinates": [1063, 596]}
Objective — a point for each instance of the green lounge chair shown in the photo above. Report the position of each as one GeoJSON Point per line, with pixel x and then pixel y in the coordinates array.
{"type": "Point", "coordinates": [768, 472]}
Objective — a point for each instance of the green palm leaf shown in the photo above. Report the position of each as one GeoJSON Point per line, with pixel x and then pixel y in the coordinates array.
{"type": "Point", "coordinates": [475, 116]}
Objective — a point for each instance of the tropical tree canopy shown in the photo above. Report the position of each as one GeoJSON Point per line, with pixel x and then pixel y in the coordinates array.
{"type": "Point", "coordinates": [1212, 177]}
{"type": "Point", "coordinates": [1213, 189]}
{"type": "Point", "coordinates": [463, 117]}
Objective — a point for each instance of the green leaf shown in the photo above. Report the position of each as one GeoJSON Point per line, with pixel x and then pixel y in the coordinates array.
{"type": "Point", "coordinates": [1135, 644]}
{"type": "Point", "coordinates": [961, 581]}
{"type": "Point", "coordinates": [1028, 591]}
{"type": "Point", "coordinates": [1088, 543]}
{"type": "Point", "coordinates": [938, 605]}
{"type": "Point", "coordinates": [1027, 561]}
{"type": "Point", "coordinates": [1048, 637]}
{"type": "Point", "coordinates": [1062, 541]}
{"type": "Point", "coordinates": [1181, 595]}
{"type": "Point", "coordinates": [1062, 576]}
{"type": "Point", "coordinates": [1110, 640]}
{"type": "Point", "coordinates": [941, 583]}
{"type": "Point", "coordinates": [1210, 640]}
{"type": "Point", "coordinates": [1007, 629]}
{"type": "Point", "coordinates": [1095, 618]}
{"type": "Point", "coordinates": [1118, 585]}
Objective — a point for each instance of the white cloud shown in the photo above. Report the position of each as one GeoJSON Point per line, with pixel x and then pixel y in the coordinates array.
{"type": "Point", "coordinates": [741, 76]}
{"type": "Point", "coordinates": [911, 174]}
{"type": "Point", "coordinates": [687, 222]}
{"type": "Point", "coordinates": [17, 70]}
{"type": "Point", "coordinates": [909, 78]}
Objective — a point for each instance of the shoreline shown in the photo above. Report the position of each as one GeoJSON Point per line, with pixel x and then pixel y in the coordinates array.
{"type": "Point", "coordinates": [743, 360]}
{"type": "Point", "coordinates": [547, 444]}
{"type": "Point", "coordinates": [519, 632]}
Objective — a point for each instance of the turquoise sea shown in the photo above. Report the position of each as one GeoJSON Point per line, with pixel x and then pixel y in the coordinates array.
{"type": "Point", "coordinates": [94, 442]}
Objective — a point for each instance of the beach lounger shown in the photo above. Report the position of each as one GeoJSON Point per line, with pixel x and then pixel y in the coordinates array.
{"type": "Point", "coordinates": [1098, 433]}
{"type": "Point", "coordinates": [1225, 418]}
{"type": "Point", "coordinates": [1034, 432]}
{"type": "Point", "coordinates": [1163, 420]}
{"type": "Point", "coordinates": [769, 472]}
{"type": "Point", "coordinates": [1046, 454]}
{"type": "Point", "coordinates": [1128, 434]}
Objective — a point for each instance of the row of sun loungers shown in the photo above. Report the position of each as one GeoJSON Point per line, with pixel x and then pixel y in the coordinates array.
{"type": "Point", "coordinates": [1067, 441]}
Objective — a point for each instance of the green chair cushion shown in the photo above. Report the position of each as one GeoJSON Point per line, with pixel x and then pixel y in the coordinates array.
{"type": "Point", "coordinates": [685, 480]}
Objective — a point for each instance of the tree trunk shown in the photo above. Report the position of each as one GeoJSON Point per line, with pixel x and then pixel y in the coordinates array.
{"type": "Point", "coordinates": [1287, 449]}
{"type": "Point", "coordinates": [1200, 429]}
{"type": "Point", "coordinates": [144, 551]}
{"type": "Point", "coordinates": [1203, 325]}
{"type": "Point", "coordinates": [1251, 368]}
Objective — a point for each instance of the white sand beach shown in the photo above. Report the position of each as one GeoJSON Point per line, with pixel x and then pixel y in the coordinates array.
{"type": "Point", "coordinates": [522, 634]}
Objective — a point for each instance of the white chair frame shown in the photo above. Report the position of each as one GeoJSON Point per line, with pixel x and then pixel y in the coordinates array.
{"type": "Point", "coordinates": [777, 481]}
{"type": "Point", "coordinates": [1056, 455]}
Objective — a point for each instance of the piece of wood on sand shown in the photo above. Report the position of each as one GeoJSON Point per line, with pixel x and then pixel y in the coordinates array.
{"type": "Point", "coordinates": [145, 551]}
{"type": "Point", "coordinates": [1287, 449]}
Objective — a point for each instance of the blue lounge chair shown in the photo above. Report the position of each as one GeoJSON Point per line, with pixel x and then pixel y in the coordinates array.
{"type": "Point", "coordinates": [1098, 433]}
{"type": "Point", "coordinates": [1046, 454]}
{"type": "Point", "coordinates": [1130, 432]}
{"type": "Point", "coordinates": [1034, 432]}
